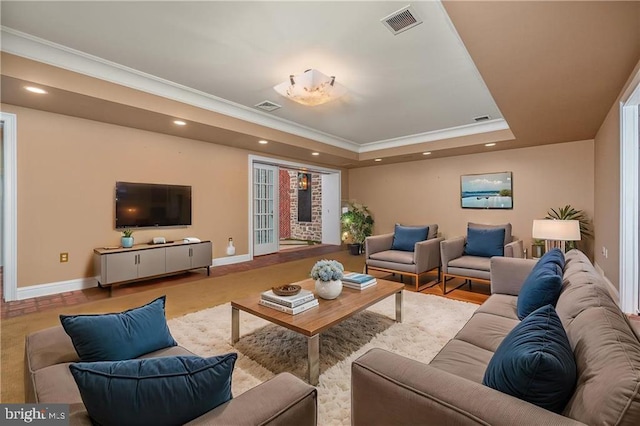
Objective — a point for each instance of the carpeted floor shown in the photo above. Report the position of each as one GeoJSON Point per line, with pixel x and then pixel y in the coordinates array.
{"type": "Point", "coordinates": [265, 349]}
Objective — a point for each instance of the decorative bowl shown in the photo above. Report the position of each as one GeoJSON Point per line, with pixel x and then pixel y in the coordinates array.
{"type": "Point", "coordinates": [287, 290]}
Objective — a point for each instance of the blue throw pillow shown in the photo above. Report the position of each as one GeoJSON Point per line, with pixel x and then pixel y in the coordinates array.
{"type": "Point", "coordinates": [535, 363]}
{"type": "Point", "coordinates": [485, 242]}
{"type": "Point", "coordinates": [543, 284]}
{"type": "Point", "coordinates": [125, 335]}
{"type": "Point", "coordinates": [153, 391]}
{"type": "Point", "coordinates": [406, 237]}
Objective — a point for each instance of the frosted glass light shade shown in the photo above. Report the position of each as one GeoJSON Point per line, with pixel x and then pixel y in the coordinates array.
{"type": "Point", "coordinates": [559, 230]}
{"type": "Point", "coordinates": [311, 88]}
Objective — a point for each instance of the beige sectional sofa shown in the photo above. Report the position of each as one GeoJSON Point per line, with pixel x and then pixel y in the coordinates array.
{"type": "Point", "coordinates": [283, 400]}
{"type": "Point", "coordinates": [391, 389]}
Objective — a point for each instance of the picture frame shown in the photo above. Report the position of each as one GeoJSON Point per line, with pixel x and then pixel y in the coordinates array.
{"type": "Point", "coordinates": [487, 191]}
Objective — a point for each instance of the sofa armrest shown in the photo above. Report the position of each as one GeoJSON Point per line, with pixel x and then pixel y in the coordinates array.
{"type": "Point", "coordinates": [508, 274]}
{"type": "Point", "coordinates": [514, 249]}
{"type": "Point", "coordinates": [426, 254]}
{"type": "Point", "coordinates": [450, 249]}
{"type": "Point", "coordinates": [283, 400]}
{"type": "Point", "coordinates": [377, 243]}
{"type": "Point", "coordinates": [387, 389]}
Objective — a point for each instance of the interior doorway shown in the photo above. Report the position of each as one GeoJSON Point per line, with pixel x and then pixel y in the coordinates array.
{"type": "Point", "coordinates": [302, 210]}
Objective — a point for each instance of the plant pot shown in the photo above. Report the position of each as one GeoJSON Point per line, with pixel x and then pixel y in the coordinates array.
{"type": "Point", "coordinates": [355, 249]}
{"type": "Point", "coordinates": [537, 251]}
{"type": "Point", "coordinates": [126, 242]}
{"type": "Point", "coordinates": [328, 289]}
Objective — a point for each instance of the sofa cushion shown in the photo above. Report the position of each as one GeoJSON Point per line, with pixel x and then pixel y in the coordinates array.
{"type": "Point", "coordinates": [463, 359]}
{"type": "Point", "coordinates": [507, 229]}
{"type": "Point", "coordinates": [157, 391]}
{"type": "Point", "coordinates": [395, 256]}
{"type": "Point", "coordinates": [485, 242]}
{"type": "Point", "coordinates": [119, 336]}
{"type": "Point", "coordinates": [486, 331]}
{"type": "Point", "coordinates": [535, 362]}
{"type": "Point", "coordinates": [503, 305]}
{"type": "Point", "coordinates": [406, 237]}
{"type": "Point", "coordinates": [477, 263]}
{"type": "Point", "coordinates": [543, 284]}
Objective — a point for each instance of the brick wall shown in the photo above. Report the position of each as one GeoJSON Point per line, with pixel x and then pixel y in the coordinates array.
{"type": "Point", "coordinates": [305, 230]}
{"type": "Point", "coordinates": [285, 201]}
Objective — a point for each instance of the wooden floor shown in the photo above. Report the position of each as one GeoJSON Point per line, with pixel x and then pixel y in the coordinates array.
{"type": "Point", "coordinates": [478, 293]}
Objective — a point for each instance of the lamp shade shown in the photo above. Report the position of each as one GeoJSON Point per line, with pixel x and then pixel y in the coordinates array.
{"type": "Point", "coordinates": [559, 230]}
{"type": "Point", "coordinates": [311, 88]}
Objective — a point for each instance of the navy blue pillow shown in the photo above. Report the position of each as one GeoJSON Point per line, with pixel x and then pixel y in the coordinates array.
{"type": "Point", "coordinates": [485, 242]}
{"type": "Point", "coordinates": [119, 336]}
{"type": "Point", "coordinates": [154, 391]}
{"type": "Point", "coordinates": [543, 284]}
{"type": "Point", "coordinates": [406, 237]}
{"type": "Point", "coordinates": [535, 363]}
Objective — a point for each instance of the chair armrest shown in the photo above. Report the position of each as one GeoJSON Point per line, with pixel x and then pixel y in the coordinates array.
{"type": "Point", "coordinates": [514, 249]}
{"type": "Point", "coordinates": [388, 389]}
{"type": "Point", "coordinates": [508, 274]}
{"type": "Point", "coordinates": [426, 254]}
{"type": "Point", "coordinates": [377, 243]}
{"type": "Point", "coordinates": [283, 400]}
{"type": "Point", "coordinates": [451, 249]}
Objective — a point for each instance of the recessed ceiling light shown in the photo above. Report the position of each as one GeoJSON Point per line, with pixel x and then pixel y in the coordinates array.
{"type": "Point", "coordinates": [36, 90]}
{"type": "Point", "coordinates": [315, 153]}
{"type": "Point", "coordinates": [426, 153]}
{"type": "Point", "coordinates": [263, 142]}
{"type": "Point", "coordinates": [179, 123]}
{"type": "Point", "coordinates": [378, 159]}
{"type": "Point", "coordinates": [490, 144]}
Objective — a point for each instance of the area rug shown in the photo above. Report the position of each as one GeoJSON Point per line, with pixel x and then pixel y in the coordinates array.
{"type": "Point", "coordinates": [264, 349]}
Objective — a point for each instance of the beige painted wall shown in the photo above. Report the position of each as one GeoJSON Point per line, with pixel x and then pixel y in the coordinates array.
{"type": "Point", "coordinates": [67, 169]}
{"type": "Point", "coordinates": [428, 191]}
{"type": "Point", "coordinates": [607, 186]}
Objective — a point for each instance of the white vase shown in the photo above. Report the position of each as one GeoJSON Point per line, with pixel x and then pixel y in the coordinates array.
{"type": "Point", "coordinates": [328, 289]}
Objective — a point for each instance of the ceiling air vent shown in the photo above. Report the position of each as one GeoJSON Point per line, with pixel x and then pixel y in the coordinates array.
{"type": "Point", "coordinates": [268, 106]}
{"type": "Point", "coordinates": [481, 118]}
{"type": "Point", "coordinates": [401, 20]}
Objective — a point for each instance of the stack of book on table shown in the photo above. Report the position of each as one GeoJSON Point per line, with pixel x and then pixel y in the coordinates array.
{"type": "Point", "coordinates": [358, 281]}
{"type": "Point", "coordinates": [290, 304]}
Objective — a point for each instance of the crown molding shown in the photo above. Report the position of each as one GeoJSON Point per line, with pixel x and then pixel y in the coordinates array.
{"type": "Point", "coordinates": [452, 132]}
{"type": "Point", "coordinates": [37, 49]}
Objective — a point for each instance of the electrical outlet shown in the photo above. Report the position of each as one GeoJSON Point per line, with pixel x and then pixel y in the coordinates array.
{"type": "Point", "coordinates": [605, 252]}
{"type": "Point", "coordinates": [64, 257]}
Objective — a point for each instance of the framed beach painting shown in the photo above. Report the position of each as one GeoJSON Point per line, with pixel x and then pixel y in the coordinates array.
{"type": "Point", "coordinates": [486, 191]}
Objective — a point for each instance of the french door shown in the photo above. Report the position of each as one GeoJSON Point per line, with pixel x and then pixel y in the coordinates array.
{"type": "Point", "coordinates": [265, 209]}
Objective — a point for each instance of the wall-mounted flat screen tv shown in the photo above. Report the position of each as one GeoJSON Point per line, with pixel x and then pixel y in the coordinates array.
{"type": "Point", "coordinates": [141, 205]}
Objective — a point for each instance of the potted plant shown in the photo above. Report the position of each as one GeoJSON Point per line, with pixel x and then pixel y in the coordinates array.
{"type": "Point", "coordinates": [537, 248]}
{"type": "Point", "coordinates": [357, 224]}
{"type": "Point", "coordinates": [569, 213]}
{"type": "Point", "coordinates": [328, 275]}
{"type": "Point", "coordinates": [127, 239]}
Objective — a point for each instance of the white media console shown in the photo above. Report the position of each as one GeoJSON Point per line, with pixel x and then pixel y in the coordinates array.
{"type": "Point", "coordinates": [123, 265]}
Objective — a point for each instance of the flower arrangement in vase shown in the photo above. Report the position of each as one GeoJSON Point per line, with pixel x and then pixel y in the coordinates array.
{"type": "Point", "coordinates": [328, 275]}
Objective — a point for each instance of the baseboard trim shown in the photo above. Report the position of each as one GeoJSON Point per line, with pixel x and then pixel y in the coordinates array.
{"type": "Point", "coordinates": [612, 289]}
{"type": "Point", "coordinates": [56, 288]}
{"type": "Point", "coordinates": [230, 260]}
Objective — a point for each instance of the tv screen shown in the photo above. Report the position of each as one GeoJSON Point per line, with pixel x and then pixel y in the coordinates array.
{"type": "Point", "coordinates": [149, 205]}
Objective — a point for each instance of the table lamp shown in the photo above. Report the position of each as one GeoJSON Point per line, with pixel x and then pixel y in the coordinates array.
{"type": "Point", "coordinates": [556, 232]}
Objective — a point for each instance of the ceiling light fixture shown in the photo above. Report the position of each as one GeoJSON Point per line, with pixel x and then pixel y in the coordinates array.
{"type": "Point", "coordinates": [263, 142]}
{"type": "Point", "coordinates": [426, 153]}
{"type": "Point", "coordinates": [179, 123]}
{"type": "Point", "coordinates": [490, 144]}
{"type": "Point", "coordinates": [315, 153]}
{"type": "Point", "coordinates": [311, 88]}
{"type": "Point", "coordinates": [37, 90]}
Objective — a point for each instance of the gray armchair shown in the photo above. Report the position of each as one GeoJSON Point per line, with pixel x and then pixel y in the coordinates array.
{"type": "Point", "coordinates": [426, 256]}
{"type": "Point", "coordinates": [457, 264]}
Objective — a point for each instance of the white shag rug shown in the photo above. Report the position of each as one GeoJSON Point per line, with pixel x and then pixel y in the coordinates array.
{"type": "Point", "coordinates": [265, 349]}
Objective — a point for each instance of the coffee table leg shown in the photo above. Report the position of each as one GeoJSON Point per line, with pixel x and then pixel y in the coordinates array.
{"type": "Point", "coordinates": [313, 353]}
{"type": "Point", "coordinates": [399, 306]}
{"type": "Point", "coordinates": [235, 325]}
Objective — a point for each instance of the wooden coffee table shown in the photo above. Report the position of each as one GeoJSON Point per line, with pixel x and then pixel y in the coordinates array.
{"type": "Point", "coordinates": [316, 320]}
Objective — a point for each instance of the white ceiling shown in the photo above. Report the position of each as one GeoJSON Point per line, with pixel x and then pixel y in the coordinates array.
{"type": "Point", "coordinates": [402, 89]}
